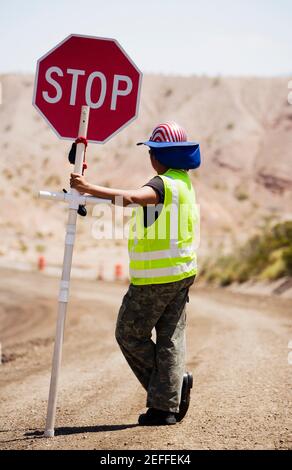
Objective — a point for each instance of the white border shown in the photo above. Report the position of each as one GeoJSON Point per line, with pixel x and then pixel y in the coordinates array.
{"type": "Point", "coordinates": [101, 39]}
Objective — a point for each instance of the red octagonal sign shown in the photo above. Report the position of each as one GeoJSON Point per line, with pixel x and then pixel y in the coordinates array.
{"type": "Point", "coordinates": [85, 70]}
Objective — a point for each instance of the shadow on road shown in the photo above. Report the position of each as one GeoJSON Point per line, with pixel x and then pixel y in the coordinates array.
{"type": "Point", "coordinates": [64, 431]}
{"type": "Point", "coordinates": [101, 428]}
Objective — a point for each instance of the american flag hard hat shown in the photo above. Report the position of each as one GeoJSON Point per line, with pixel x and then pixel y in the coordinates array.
{"type": "Point", "coordinates": [168, 131]}
{"type": "Point", "coordinates": [170, 147]}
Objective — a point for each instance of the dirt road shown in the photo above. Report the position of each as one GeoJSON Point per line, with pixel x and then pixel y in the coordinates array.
{"type": "Point", "coordinates": [237, 351]}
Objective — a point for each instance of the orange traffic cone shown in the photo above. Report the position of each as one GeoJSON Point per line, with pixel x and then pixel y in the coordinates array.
{"type": "Point", "coordinates": [41, 263]}
{"type": "Point", "coordinates": [118, 272]}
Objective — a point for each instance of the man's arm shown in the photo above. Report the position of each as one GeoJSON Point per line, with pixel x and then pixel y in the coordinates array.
{"type": "Point", "coordinates": [142, 196]}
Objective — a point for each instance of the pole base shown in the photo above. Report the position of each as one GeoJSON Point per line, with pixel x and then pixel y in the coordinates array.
{"type": "Point", "coordinates": [49, 433]}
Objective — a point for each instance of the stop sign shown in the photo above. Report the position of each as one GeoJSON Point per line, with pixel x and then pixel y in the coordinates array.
{"type": "Point", "coordinates": [85, 70]}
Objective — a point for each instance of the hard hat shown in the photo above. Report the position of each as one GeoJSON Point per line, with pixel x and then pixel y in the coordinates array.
{"type": "Point", "coordinates": [169, 144]}
{"type": "Point", "coordinates": [169, 132]}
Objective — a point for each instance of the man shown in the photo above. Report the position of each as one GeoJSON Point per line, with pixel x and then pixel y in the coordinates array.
{"type": "Point", "coordinates": [162, 269]}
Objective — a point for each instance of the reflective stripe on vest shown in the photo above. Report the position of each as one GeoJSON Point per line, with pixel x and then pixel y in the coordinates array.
{"type": "Point", "coordinates": [173, 252]}
{"type": "Point", "coordinates": [157, 272]}
{"type": "Point", "coordinates": [174, 212]}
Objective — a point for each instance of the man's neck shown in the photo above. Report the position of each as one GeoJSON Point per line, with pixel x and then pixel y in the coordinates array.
{"type": "Point", "coordinates": [162, 170]}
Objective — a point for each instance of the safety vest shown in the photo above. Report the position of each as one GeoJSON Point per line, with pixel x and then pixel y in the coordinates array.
{"type": "Point", "coordinates": [164, 252]}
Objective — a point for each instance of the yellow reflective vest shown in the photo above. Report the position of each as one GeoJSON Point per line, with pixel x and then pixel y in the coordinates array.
{"type": "Point", "coordinates": [165, 251]}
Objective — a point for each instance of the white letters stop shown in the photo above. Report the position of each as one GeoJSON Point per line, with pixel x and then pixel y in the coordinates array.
{"type": "Point", "coordinates": [91, 79]}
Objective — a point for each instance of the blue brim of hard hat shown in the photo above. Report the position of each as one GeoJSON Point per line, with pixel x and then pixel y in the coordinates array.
{"type": "Point", "coordinates": [179, 155]}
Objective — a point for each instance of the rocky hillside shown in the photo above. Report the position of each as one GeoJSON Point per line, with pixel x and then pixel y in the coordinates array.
{"type": "Point", "coordinates": [244, 126]}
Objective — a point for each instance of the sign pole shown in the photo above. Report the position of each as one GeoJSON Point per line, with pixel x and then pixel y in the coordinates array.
{"type": "Point", "coordinates": [65, 279]}
{"type": "Point", "coordinates": [116, 106]}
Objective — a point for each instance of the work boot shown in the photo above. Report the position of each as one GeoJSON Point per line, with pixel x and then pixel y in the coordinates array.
{"type": "Point", "coordinates": [154, 417]}
{"type": "Point", "coordinates": [185, 396]}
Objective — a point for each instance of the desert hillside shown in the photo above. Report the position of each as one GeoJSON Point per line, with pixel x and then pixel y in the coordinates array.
{"type": "Point", "coordinates": [243, 124]}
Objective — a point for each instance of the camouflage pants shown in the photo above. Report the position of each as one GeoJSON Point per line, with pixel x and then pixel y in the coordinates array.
{"type": "Point", "coordinates": [159, 366]}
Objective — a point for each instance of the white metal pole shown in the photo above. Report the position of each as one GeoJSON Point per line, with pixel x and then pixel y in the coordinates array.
{"type": "Point", "coordinates": [65, 282]}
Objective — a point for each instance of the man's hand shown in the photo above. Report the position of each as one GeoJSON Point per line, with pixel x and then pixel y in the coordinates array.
{"type": "Point", "coordinates": [79, 182]}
